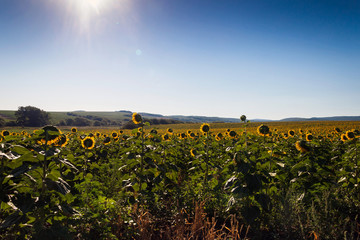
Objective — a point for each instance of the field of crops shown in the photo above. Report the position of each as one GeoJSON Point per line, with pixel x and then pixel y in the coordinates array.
{"type": "Point", "coordinates": [219, 181]}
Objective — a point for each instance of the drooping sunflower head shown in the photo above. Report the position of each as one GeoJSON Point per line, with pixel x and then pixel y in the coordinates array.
{"type": "Point", "coordinates": [302, 147]}
{"type": "Point", "coordinates": [350, 135]}
{"type": "Point", "coordinates": [243, 118]}
{"type": "Point", "coordinates": [309, 137]}
{"type": "Point", "coordinates": [219, 136]}
{"type": "Point", "coordinates": [88, 143]}
{"type": "Point", "coordinates": [107, 140]}
{"type": "Point", "coordinates": [62, 141]}
{"type": "Point", "coordinates": [74, 130]}
{"type": "Point", "coordinates": [205, 128]}
{"type": "Point", "coordinates": [193, 152]}
{"type": "Point", "coordinates": [263, 130]}
{"type": "Point", "coordinates": [182, 135]}
{"type": "Point", "coordinates": [232, 134]}
{"type": "Point", "coordinates": [136, 118]}
{"type": "Point", "coordinates": [165, 137]}
{"type": "Point", "coordinates": [286, 136]}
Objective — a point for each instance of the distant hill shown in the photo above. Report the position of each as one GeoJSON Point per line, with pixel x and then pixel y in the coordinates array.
{"type": "Point", "coordinates": [336, 118]}
{"type": "Point", "coordinates": [122, 117]}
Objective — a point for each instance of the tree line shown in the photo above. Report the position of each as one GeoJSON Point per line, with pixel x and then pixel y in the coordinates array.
{"type": "Point", "coordinates": [31, 116]}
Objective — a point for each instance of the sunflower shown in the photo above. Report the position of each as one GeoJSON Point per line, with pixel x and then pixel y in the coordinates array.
{"type": "Point", "coordinates": [263, 130]}
{"type": "Point", "coordinates": [309, 137]}
{"type": "Point", "coordinates": [49, 135]}
{"type": "Point", "coordinates": [232, 134]}
{"type": "Point", "coordinates": [344, 138]}
{"type": "Point", "coordinates": [219, 136]}
{"type": "Point", "coordinates": [182, 135]}
{"type": "Point", "coordinates": [62, 141]}
{"type": "Point", "coordinates": [88, 143]}
{"type": "Point", "coordinates": [204, 128]}
{"type": "Point", "coordinates": [114, 134]}
{"type": "Point", "coordinates": [350, 135]}
{"type": "Point", "coordinates": [97, 134]}
{"type": "Point", "coordinates": [286, 136]}
{"type": "Point", "coordinates": [165, 137]}
{"type": "Point", "coordinates": [136, 118]}
{"type": "Point", "coordinates": [121, 131]}
{"type": "Point", "coordinates": [243, 118]}
{"type": "Point", "coordinates": [107, 140]}
{"type": "Point", "coordinates": [169, 131]}
{"type": "Point", "coordinates": [5, 133]}
{"type": "Point", "coordinates": [154, 131]}
{"type": "Point", "coordinates": [337, 129]}
{"type": "Point", "coordinates": [193, 152]}
{"type": "Point", "coordinates": [192, 135]}
{"type": "Point", "coordinates": [74, 130]}
{"type": "Point", "coordinates": [291, 133]}
{"type": "Point", "coordinates": [302, 147]}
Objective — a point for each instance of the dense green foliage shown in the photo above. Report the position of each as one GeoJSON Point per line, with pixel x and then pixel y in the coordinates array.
{"type": "Point", "coordinates": [144, 187]}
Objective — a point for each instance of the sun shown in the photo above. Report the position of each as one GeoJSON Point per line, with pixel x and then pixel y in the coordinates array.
{"type": "Point", "coordinates": [95, 6]}
{"type": "Point", "coordinates": [85, 17]}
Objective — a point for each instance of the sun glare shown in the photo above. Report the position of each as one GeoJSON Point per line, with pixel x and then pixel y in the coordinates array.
{"type": "Point", "coordinates": [85, 15]}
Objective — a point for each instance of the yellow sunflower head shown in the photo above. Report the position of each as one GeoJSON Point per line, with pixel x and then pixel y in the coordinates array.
{"type": "Point", "coordinates": [165, 137]}
{"type": "Point", "coordinates": [5, 133]}
{"type": "Point", "coordinates": [193, 152]}
{"type": "Point", "coordinates": [291, 133]}
{"type": "Point", "coordinates": [74, 130]}
{"type": "Point", "coordinates": [337, 129]}
{"type": "Point", "coordinates": [107, 140]}
{"type": "Point", "coordinates": [219, 136]}
{"type": "Point", "coordinates": [114, 134]}
{"type": "Point", "coordinates": [302, 147]}
{"type": "Point", "coordinates": [62, 141]}
{"type": "Point", "coordinates": [309, 137]}
{"type": "Point", "coordinates": [192, 135]}
{"type": "Point", "coordinates": [286, 136]}
{"type": "Point", "coordinates": [182, 135]}
{"type": "Point", "coordinates": [205, 128]}
{"type": "Point", "coordinates": [136, 118]}
{"type": "Point", "coordinates": [169, 131]}
{"type": "Point", "coordinates": [350, 135]}
{"type": "Point", "coordinates": [263, 130]}
{"type": "Point", "coordinates": [88, 143]}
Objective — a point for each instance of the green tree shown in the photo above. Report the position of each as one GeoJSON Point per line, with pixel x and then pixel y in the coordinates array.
{"type": "Point", "coordinates": [31, 117]}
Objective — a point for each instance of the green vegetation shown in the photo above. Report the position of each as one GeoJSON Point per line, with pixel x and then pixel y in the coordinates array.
{"type": "Point", "coordinates": [181, 184]}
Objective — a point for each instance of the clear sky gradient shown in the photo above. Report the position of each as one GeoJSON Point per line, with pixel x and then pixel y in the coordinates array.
{"type": "Point", "coordinates": [264, 59]}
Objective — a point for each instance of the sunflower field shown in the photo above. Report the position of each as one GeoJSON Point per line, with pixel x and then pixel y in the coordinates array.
{"type": "Point", "coordinates": [250, 182]}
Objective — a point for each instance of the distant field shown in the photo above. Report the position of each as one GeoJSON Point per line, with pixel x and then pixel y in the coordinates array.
{"type": "Point", "coordinates": [320, 127]}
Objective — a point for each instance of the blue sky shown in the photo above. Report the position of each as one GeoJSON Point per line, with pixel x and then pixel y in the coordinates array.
{"type": "Point", "coordinates": [264, 59]}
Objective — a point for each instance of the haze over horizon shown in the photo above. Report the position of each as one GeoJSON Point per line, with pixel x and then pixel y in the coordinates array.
{"type": "Point", "coordinates": [268, 60]}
